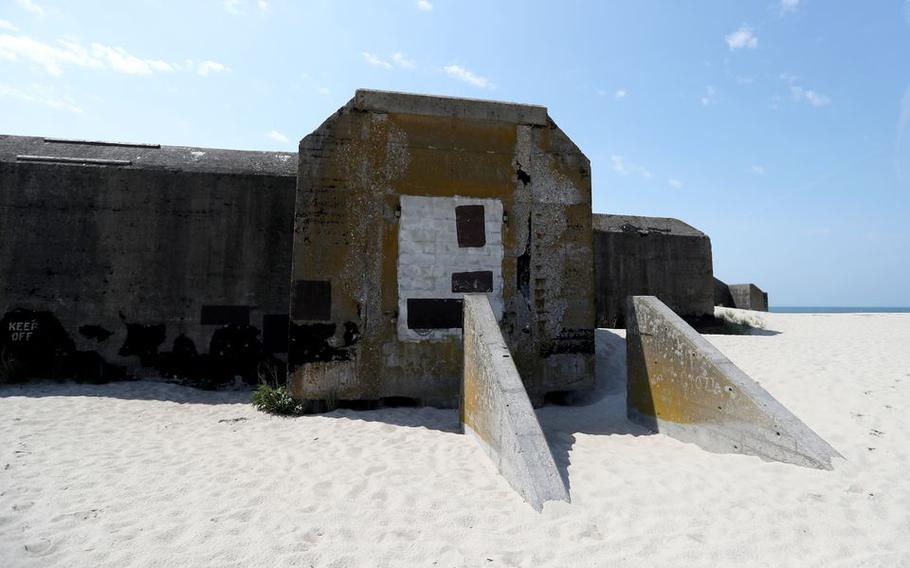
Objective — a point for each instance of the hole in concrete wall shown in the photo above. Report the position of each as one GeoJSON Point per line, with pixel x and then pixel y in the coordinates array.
{"type": "Point", "coordinates": [523, 176]}
{"type": "Point", "coordinates": [523, 269]}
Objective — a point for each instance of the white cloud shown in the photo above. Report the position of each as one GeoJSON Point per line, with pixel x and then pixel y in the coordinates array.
{"type": "Point", "coordinates": [710, 96]}
{"type": "Point", "coordinates": [620, 94]}
{"type": "Point", "coordinates": [424, 5]}
{"type": "Point", "coordinates": [787, 6]}
{"type": "Point", "coordinates": [234, 6]}
{"type": "Point", "coordinates": [54, 58]}
{"type": "Point", "coordinates": [42, 95]}
{"type": "Point", "coordinates": [744, 37]}
{"type": "Point", "coordinates": [402, 61]}
{"type": "Point", "coordinates": [277, 136]}
{"type": "Point", "coordinates": [117, 59]}
{"type": "Point", "coordinates": [674, 183]}
{"type": "Point", "coordinates": [263, 5]}
{"type": "Point", "coordinates": [757, 170]}
{"type": "Point", "coordinates": [31, 7]}
{"type": "Point", "coordinates": [8, 26]}
{"type": "Point", "coordinates": [814, 98]}
{"type": "Point", "coordinates": [49, 57]}
{"type": "Point", "coordinates": [208, 66]}
{"type": "Point", "coordinates": [625, 168]}
{"type": "Point", "coordinates": [324, 92]}
{"type": "Point", "coordinates": [788, 78]}
{"type": "Point", "coordinates": [462, 74]}
{"type": "Point", "coordinates": [375, 61]}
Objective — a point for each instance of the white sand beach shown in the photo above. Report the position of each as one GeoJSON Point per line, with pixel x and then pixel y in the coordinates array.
{"type": "Point", "coordinates": [152, 474]}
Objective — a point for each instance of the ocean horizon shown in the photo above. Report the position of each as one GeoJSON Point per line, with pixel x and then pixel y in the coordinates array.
{"type": "Point", "coordinates": [839, 310]}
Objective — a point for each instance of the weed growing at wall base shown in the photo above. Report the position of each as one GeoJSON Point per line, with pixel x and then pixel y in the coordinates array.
{"type": "Point", "coordinates": [276, 400]}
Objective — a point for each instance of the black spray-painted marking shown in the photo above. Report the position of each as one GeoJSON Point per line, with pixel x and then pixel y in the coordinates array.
{"type": "Point", "coordinates": [275, 333]}
{"type": "Point", "coordinates": [312, 300]}
{"type": "Point", "coordinates": [310, 343]}
{"type": "Point", "coordinates": [426, 313]}
{"type": "Point", "coordinates": [142, 340]}
{"type": "Point", "coordinates": [95, 332]}
{"type": "Point", "coordinates": [466, 282]}
{"type": "Point", "coordinates": [469, 226]}
{"type": "Point", "coordinates": [224, 315]}
{"type": "Point", "coordinates": [572, 341]}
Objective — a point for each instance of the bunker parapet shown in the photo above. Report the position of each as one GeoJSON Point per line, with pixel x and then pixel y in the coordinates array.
{"type": "Point", "coordinates": [406, 202]}
{"type": "Point", "coordinates": [681, 385]}
{"type": "Point", "coordinates": [496, 411]}
{"type": "Point", "coordinates": [651, 256]}
{"type": "Point", "coordinates": [142, 259]}
{"type": "Point", "coordinates": [741, 296]}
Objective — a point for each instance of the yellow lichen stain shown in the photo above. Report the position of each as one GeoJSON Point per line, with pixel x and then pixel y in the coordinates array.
{"type": "Point", "coordinates": [675, 392]}
{"type": "Point", "coordinates": [450, 156]}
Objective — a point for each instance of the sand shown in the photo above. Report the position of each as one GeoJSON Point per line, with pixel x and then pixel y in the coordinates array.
{"type": "Point", "coordinates": [152, 474]}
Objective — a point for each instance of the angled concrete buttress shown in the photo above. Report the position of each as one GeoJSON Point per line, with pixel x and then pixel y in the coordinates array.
{"type": "Point", "coordinates": [681, 385]}
{"type": "Point", "coordinates": [496, 411]}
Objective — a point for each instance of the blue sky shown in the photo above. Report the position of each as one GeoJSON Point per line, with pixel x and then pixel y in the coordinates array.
{"type": "Point", "coordinates": [781, 127]}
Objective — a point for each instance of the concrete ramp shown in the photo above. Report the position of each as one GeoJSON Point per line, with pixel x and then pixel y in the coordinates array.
{"type": "Point", "coordinates": [681, 385]}
{"type": "Point", "coordinates": [496, 411]}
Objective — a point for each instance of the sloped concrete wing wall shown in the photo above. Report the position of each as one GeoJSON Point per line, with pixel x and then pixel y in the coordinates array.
{"type": "Point", "coordinates": [496, 411]}
{"type": "Point", "coordinates": [681, 385]}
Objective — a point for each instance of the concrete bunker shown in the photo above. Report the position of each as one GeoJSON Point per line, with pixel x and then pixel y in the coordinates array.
{"type": "Point", "coordinates": [741, 296]}
{"type": "Point", "coordinates": [139, 259]}
{"type": "Point", "coordinates": [652, 256]}
{"type": "Point", "coordinates": [407, 202]}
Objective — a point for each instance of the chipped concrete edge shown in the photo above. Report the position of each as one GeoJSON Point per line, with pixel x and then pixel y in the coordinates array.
{"type": "Point", "coordinates": [497, 413]}
{"type": "Point", "coordinates": [757, 425]}
{"type": "Point", "coordinates": [474, 109]}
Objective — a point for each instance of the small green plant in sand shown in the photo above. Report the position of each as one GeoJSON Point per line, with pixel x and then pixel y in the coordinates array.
{"type": "Point", "coordinates": [276, 400]}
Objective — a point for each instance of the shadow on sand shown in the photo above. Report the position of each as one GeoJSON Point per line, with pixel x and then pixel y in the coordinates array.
{"type": "Point", "coordinates": [128, 390]}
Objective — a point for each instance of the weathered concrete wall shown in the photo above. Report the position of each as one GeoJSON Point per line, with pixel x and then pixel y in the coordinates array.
{"type": "Point", "coordinates": [496, 411]}
{"type": "Point", "coordinates": [748, 297]}
{"type": "Point", "coordinates": [681, 385]}
{"type": "Point", "coordinates": [650, 256]}
{"type": "Point", "coordinates": [399, 195]}
{"type": "Point", "coordinates": [722, 295]}
{"type": "Point", "coordinates": [160, 260]}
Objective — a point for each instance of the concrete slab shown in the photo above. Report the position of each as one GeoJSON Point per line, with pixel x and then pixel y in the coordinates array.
{"type": "Point", "coordinates": [497, 413]}
{"type": "Point", "coordinates": [681, 385]}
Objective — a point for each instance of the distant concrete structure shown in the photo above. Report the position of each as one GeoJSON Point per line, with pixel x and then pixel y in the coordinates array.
{"type": "Point", "coordinates": [741, 296]}
{"type": "Point", "coordinates": [496, 411]}
{"type": "Point", "coordinates": [140, 259]}
{"type": "Point", "coordinates": [655, 256]}
{"type": "Point", "coordinates": [681, 385]}
{"type": "Point", "coordinates": [406, 202]}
